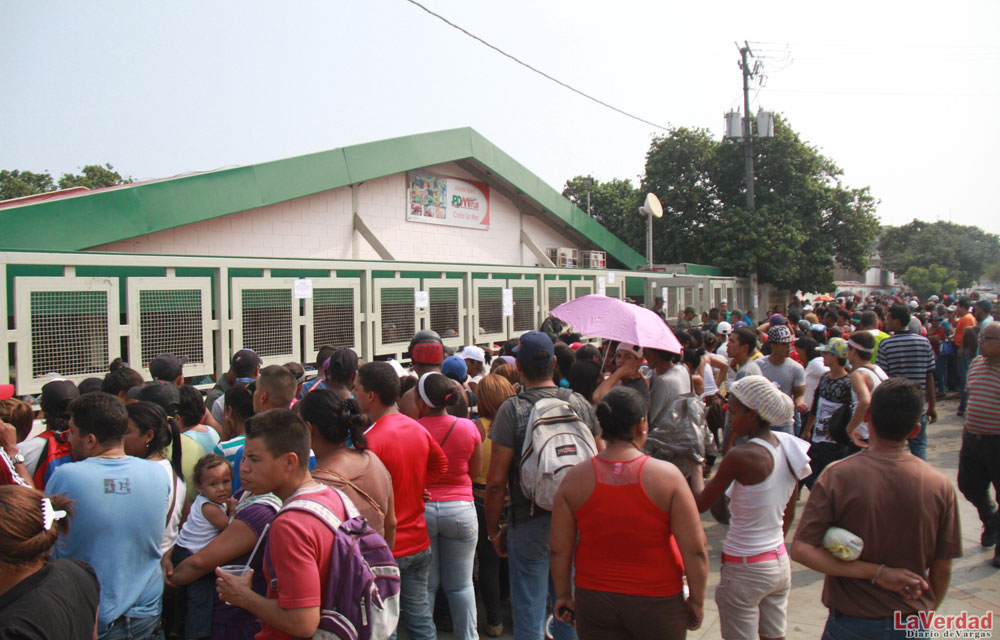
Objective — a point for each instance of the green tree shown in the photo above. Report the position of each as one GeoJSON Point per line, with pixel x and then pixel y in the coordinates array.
{"type": "Point", "coordinates": [615, 204]}
{"type": "Point", "coordinates": [804, 221]}
{"type": "Point", "coordinates": [93, 176]}
{"type": "Point", "coordinates": [965, 251]}
{"type": "Point", "coordinates": [931, 280]}
{"type": "Point", "coordinates": [17, 184]}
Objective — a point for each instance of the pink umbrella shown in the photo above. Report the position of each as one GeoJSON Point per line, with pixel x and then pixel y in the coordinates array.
{"type": "Point", "coordinates": [603, 317]}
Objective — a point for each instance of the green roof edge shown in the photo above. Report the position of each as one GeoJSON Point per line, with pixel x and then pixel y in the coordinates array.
{"type": "Point", "coordinates": [129, 211]}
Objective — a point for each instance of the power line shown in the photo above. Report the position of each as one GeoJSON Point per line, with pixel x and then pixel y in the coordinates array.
{"type": "Point", "coordinates": [531, 68]}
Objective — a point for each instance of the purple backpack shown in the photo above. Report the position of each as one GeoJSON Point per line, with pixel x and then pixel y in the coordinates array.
{"type": "Point", "coordinates": [361, 594]}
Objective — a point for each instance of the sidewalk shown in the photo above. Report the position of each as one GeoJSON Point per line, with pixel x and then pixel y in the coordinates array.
{"type": "Point", "coordinates": [975, 583]}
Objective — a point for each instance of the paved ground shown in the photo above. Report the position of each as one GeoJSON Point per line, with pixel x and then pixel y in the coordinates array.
{"type": "Point", "coordinates": [975, 583]}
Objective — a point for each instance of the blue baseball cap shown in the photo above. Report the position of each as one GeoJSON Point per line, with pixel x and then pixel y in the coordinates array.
{"type": "Point", "coordinates": [455, 368]}
{"type": "Point", "coordinates": [534, 346]}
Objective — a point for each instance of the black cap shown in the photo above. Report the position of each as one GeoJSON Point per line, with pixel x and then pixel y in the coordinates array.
{"type": "Point", "coordinates": [162, 393]}
{"type": "Point", "coordinates": [57, 395]}
{"type": "Point", "coordinates": [167, 367]}
{"type": "Point", "coordinates": [244, 362]}
{"type": "Point", "coordinates": [342, 361]}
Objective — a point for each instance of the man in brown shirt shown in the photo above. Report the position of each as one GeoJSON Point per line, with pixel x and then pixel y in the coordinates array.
{"type": "Point", "coordinates": [903, 509]}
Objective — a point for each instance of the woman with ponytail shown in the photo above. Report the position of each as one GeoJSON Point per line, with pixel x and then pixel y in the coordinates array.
{"type": "Point", "coordinates": [38, 598]}
{"type": "Point", "coordinates": [450, 514]}
{"type": "Point", "coordinates": [148, 435]}
{"type": "Point", "coordinates": [344, 461]}
{"type": "Point", "coordinates": [636, 532]}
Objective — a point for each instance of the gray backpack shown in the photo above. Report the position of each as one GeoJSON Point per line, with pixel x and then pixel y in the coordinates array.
{"type": "Point", "coordinates": [555, 440]}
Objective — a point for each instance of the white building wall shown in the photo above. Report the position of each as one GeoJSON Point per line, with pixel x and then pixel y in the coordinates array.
{"type": "Point", "coordinates": [320, 226]}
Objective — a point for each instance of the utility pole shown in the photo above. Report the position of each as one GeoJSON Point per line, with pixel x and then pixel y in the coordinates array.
{"type": "Point", "coordinates": [745, 53]}
{"type": "Point", "coordinates": [747, 131]}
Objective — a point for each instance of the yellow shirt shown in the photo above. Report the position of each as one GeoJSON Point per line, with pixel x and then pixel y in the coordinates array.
{"type": "Point", "coordinates": [481, 478]}
{"type": "Point", "coordinates": [191, 453]}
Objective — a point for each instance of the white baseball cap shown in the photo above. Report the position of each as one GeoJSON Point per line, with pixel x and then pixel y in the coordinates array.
{"type": "Point", "coordinates": [723, 328]}
{"type": "Point", "coordinates": [472, 352]}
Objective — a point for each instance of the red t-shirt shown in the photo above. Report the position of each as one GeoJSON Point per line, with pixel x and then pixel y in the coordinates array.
{"type": "Point", "coordinates": [414, 461]}
{"type": "Point", "coordinates": [455, 483]}
{"type": "Point", "coordinates": [299, 545]}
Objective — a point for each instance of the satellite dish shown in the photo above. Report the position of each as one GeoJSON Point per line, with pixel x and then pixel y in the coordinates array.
{"type": "Point", "coordinates": [652, 206]}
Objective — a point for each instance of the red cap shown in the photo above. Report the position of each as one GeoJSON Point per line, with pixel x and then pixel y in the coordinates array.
{"type": "Point", "coordinates": [6, 392]}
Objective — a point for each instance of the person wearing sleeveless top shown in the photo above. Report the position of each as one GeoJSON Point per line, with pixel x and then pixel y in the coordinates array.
{"type": "Point", "coordinates": [343, 460]}
{"type": "Point", "coordinates": [760, 477]}
{"type": "Point", "coordinates": [865, 376]}
{"type": "Point", "coordinates": [629, 579]}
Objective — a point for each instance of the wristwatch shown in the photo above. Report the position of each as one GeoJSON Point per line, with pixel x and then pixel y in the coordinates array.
{"type": "Point", "coordinates": [17, 458]}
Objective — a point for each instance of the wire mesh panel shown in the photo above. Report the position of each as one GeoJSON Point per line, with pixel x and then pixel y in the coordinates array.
{"type": "Point", "coordinates": [613, 292]}
{"type": "Point", "coordinates": [445, 315]}
{"type": "Point", "coordinates": [489, 302]}
{"type": "Point", "coordinates": [334, 317]}
{"type": "Point", "coordinates": [556, 294]}
{"type": "Point", "coordinates": [171, 315]}
{"type": "Point", "coordinates": [69, 321]}
{"type": "Point", "coordinates": [396, 305]}
{"type": "Point", "coordinates": [581, 289]}
{"type": "Point", "coordinates": [69, 332]}
{"type": "Point", "coordinates": [524, 309]}
{"type": "Point", "coordinates": [265, 319]}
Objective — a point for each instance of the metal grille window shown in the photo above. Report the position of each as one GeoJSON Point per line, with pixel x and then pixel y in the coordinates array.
{"type": "Point", "coordinates": [267, 321]}
{"type": "Point", "coordinates": [333, 317]}
{"type": "Point", "coordinates": [69, 332]}
{"type": "Point", "coordinates": [688, 296]}
{"type": "Point", "coordinates": [612, 292]}
{"type": "Point", "coordinates": [557, 296]}
{"type": "Point", "coordinates": [490, 304]}
{"type": "Point", "coordinates": [444, 311]}
{"type": "Point", "coordinates": [524, 308]}
{"type": "Point", "coordinates": [397, 314]}
{"type": "Point", "coordinates": [170, 322]}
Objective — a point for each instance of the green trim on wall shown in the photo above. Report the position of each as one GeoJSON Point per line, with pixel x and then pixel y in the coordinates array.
{"type": "Point", "coordinates": [110, 215]}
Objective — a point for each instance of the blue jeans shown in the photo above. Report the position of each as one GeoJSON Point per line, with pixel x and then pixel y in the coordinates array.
{"type": "Point", "coordinates": [454, 531]}
{"type": "Point", "coordinates": [530, 583]}
{"type": "Point", "coordinates": [134, 629]}
{"type": "Point", "coordinates": [963, 375]}
{"type": "Point", "coordinates": [847, 628]}
{"type": "Point", "coordinates": [414, 607]}
{"type": "Point", "coordinates": [918, 445]}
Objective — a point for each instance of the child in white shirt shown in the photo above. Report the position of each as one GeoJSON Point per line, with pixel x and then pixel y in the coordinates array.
{"type": "Point", "coordinates": [213, 476]}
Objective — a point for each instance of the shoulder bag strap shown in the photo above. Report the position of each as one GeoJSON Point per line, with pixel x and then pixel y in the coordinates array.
{"type": "Point", "coordinates": [453, 423]}
{"type": "Point", "coordinates": [173, 494]}
{"type": "Point", "coordinates": [339, 478]}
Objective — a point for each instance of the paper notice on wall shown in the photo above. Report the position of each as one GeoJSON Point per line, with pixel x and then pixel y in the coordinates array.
{"type": "Point", "coordinates": [420, 298]}
{"type": "Point", "coordinates": [756, 301]}
{"type": "Point", "coordinates": [303, 288]}
{"type": "Point", "coordinates": [663, 294]}
{"type": "Point", "coordinates": [602, 287]}
{"type": "Point", "coordinates": [611, 277]}
{"type": "Point", "coordinates": [508, 302]}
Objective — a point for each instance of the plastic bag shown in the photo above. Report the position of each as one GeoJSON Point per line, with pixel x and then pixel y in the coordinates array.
{"type": "Point", "coordinates": [681, 434]}
{"type": "Point", "coordinates": [842, 543]}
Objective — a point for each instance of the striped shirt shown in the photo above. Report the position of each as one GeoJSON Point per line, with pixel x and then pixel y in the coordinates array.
{"type": "Point", "coordinates": [229, 448]}
{"type": "Point", "coordinates": [982, 416]}
{"type": "Point", "coordinates": [906, 355]}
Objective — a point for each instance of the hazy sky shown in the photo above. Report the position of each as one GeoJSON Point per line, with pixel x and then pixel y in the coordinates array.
{"type": "Point", "coordinates": [904, 96]}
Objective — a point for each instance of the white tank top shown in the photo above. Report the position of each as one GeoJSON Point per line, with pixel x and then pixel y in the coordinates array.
{"type": "Point", "coordinates": [876, 376]}
{"type": "Point", "coordinates": [757, 510]}
{"type": "Point", "coordinates": [711, 388]}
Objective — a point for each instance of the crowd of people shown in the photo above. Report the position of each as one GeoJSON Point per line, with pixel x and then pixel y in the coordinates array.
{"type": "Point", "coordinates": [567, 475]}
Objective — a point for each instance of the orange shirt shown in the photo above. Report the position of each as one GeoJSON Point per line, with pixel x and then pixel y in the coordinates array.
{"type": "Point", "coordinates": [647, 560]}
{"type": "Point", "coordinates": [966, 321]}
